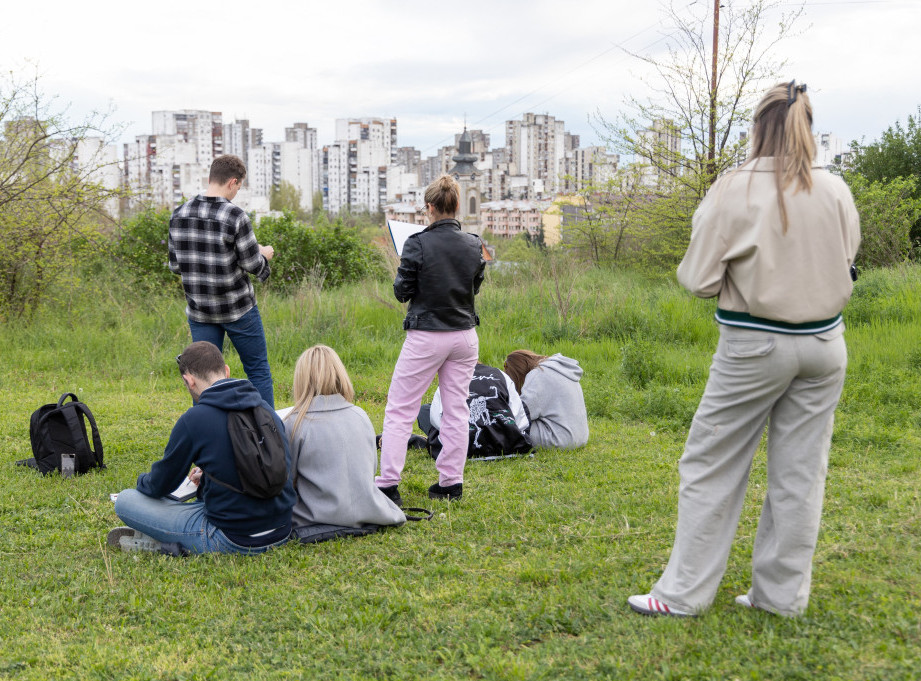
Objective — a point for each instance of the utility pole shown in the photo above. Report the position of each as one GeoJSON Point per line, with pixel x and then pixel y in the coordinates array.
{"type": "Point", "coordinates": [711, 150]}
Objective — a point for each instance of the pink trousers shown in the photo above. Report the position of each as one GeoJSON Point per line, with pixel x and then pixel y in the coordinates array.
{"type": "Point", "coordinates": [452, 355]}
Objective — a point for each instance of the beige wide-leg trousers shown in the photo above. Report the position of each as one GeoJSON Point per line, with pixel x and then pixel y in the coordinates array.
{"type": "Point", "coordinates": [792, 383]}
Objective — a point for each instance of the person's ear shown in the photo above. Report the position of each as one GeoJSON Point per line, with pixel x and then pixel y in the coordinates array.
{"type": "Point", "coordinates": [189, 381]}
{"type": "Point", "coordinates": [226, 371]}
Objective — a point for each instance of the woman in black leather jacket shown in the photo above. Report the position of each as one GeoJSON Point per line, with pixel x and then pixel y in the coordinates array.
{"type": "Point", "coordinates": [441, 269]}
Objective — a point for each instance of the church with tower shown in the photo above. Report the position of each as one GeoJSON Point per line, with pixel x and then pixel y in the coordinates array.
{"type": "Point", "coordinates": [465, 172]}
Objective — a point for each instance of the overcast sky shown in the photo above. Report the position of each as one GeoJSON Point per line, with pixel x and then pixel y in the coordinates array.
{"type": "Point", "coordinates": [428, 63]}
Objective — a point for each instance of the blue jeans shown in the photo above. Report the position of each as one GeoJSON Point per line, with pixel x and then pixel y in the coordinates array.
{"type": "Point", "coordinates": [248, 337]}
{"type": "Point", "coordinates": [181, 523]}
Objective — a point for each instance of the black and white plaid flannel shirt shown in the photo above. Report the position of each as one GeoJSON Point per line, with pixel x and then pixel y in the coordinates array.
{"type": "Point", "coordinates": [212, 247]}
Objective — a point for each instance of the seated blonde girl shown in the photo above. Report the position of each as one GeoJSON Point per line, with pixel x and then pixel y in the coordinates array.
{"type": "Point", "coordinates": [332, 449]}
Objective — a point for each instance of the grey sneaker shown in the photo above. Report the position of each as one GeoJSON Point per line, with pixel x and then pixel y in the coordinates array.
{"type": "Point", "coordinates": [129, 539]}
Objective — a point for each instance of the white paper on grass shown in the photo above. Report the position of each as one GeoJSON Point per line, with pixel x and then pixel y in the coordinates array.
{"type": "Point", "coordinates": [401, 231]}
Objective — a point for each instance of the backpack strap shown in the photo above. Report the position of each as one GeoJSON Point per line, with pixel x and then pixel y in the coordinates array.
{"type": "Point", "coordinates": [78, 434]}
{"type": "Point", "coordinates": [222, 483]}
{"type": "Point", "coordinates": [425, 514]}
{"type": "Point", "coordinates": [72, 397]}
{"type": "Point", "coordinates": [94, 433]}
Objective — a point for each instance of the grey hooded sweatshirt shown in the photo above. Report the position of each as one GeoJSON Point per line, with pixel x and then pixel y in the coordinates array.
{"type": "Point", "coordinates": [555, 403]}
{"type": "Point", "coordinates": [334, 461]}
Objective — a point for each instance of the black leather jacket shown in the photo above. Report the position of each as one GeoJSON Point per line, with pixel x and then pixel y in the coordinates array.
{"type": "Point", "coordinates": [441, 269]}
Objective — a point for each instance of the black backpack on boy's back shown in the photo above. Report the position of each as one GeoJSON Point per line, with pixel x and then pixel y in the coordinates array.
{"type": "Point", "coordinates": [258, 453]}
{"type": "Point", "coordinates": [59, 438]}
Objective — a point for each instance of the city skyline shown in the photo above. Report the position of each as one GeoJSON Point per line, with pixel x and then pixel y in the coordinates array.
{"type": "Point", "coordinates": [431, 68]}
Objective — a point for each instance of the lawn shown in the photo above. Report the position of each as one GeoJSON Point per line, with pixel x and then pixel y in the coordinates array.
{"type": "Point", "coordinates": [527, 576]}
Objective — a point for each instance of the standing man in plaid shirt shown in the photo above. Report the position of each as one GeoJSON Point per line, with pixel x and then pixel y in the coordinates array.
{"type": "Point", "coordinates": [213, 248]}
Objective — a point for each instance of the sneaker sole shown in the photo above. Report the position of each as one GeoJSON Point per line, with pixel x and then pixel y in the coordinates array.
{"type": "Point", "coordinates": [445, 497]}
{"type": "Point", "coordinates": [128, 539]}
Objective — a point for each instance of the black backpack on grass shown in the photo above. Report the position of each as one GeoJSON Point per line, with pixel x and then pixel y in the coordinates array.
{"type": "Point", "coordinates": [58, 433]}
{"type": "Point", "coordinates": [258, 453]}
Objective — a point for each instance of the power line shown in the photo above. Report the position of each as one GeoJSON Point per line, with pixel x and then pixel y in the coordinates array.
{"type": "Point", "coordinates": [616, 46]}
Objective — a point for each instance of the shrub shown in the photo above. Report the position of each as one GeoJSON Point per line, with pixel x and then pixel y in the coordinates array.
{"type": "Point", "coordinates": [141, 244]}
{"type": "Point", "coordinates": [887, 212]}
{"type": "Point", "coordinates": [333, 253]}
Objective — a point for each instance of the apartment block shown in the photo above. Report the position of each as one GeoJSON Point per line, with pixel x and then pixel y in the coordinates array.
{"type": "Point", "coordinates": [536, 148]}
{"type": "Point", "coordinates": [306, 138]}
{"type": "Point", "coordinates": [660, 145]}
{"type": "Point", "coordinates": [587, 166]}
{"type": "Point", "coordinates": [509, 218]}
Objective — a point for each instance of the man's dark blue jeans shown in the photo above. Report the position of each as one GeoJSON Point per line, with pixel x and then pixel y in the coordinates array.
{"type": "Point", "coordinates": [248, 337]}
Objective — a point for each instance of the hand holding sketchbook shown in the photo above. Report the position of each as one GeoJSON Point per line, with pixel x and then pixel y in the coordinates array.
{"type": "Point", "coordinates": [185, 491]}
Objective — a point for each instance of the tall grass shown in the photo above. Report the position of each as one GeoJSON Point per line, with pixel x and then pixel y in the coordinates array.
{"type": "Point", "coordinates": [527, 576]}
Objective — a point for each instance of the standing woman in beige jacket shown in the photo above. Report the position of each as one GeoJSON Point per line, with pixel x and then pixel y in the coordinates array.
{"type": "Point", "coordinates": [775, 240]}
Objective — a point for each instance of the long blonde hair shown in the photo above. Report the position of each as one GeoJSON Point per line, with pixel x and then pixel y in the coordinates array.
{"type": "Point", "coordinates": [783, 129]}
{"type": "Point", "coordinates": [318, 371]}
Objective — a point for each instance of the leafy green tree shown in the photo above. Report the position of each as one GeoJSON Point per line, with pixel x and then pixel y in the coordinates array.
{"type": "Point", "coordinates": [286, 197]}
{"type": "Point", "coordinates": [670, 133]}
{"type": "Point", "coordinates": [52, 204]}
{"type": "Point", "coordinates": [317, 208]}
{"type": "Point", "coordinates": [687, 132]}
{"type": "Point", "coordinates": [897, 154]}
{"type": "Point", "coordinates": [888, 210]}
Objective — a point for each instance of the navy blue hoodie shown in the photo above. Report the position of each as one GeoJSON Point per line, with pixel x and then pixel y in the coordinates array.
{"type": "Point", "coordinates": [200, 437]}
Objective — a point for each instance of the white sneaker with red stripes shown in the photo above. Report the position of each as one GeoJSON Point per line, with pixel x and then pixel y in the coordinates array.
{"type": "Point", "coordinates": [647, 605]}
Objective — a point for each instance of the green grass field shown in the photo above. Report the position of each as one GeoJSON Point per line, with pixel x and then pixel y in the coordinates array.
{"type": "Point", "coordinates": [527, 576]}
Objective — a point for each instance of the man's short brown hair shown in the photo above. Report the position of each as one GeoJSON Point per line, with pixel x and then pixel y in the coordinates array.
{"type": "Point", "coordinates": [201, 359]}
{"type": "Point", "coordinates": [225, 168]}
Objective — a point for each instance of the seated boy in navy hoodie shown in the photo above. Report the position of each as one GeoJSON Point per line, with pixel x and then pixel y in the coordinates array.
{"type": "Point", "coordinates": [220, 520]}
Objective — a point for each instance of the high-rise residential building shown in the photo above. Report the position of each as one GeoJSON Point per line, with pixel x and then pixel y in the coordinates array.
{"type": "Point", "coordinates": [306, 138]}
{"type": "Point", "coordinates": [409, 158]}
{"type": "Point", "coordinates": [536, 148]}
{"type": "Point", "coordinates": [98, 162]}
{"type": "Point", "coordinates": [376, 139]}
{"type": "Point", "coordinates": [586, 166]}
{"type": "Point", "coordinates": [172, 164]}
{"type": "Point", "coordinates": [335, 176]}
{"type": "Point", "coordinates": [355, 166]}
{"type": "Point", "coordinates": [264, 170]}
{"type": "Point", "coordinates": [297, 169]}
{"type": "Point", "coordinates": [660, 147]}
{"type": "Point", "coordinates": [237, 139]}
{"type": "Point", "coordinates": [204, 130]}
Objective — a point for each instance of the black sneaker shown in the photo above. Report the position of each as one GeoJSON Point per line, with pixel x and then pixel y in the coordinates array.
{"type": "Point", "coordinates": [393, 493]}
{"type": "Point", "coordinates": [417, 442]}
{"type": "Point", "coordinates": [449, 493]}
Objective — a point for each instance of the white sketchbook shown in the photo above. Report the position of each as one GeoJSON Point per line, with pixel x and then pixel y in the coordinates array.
{"type": "Point", "coordinates": [186, 490]}
{"type": "Point", "coordinates": [401, 231]}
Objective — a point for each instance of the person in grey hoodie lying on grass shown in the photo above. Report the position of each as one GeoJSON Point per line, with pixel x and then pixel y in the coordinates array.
{"type": "Point", "coordinates": [333, 452]}
{"type": "Point", "coordinates": [550, 390]}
